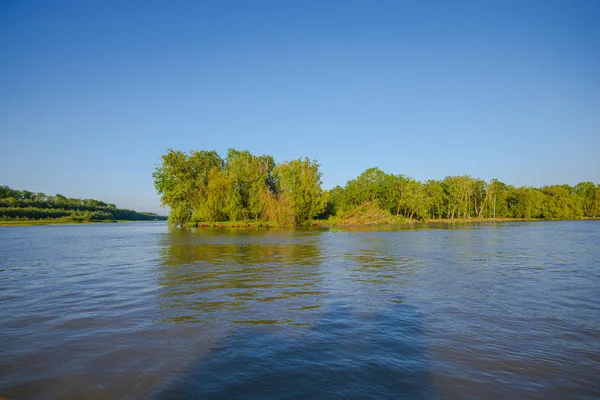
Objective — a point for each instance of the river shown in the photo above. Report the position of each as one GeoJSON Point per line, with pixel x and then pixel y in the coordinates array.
{"type": "Point", "coordinates": [141, 310]}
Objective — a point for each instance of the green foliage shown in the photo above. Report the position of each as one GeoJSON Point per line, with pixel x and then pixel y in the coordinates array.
{"type": "Point", "coordinates": [370, 185]}
{"type": "Point", "coordinates": [201, 187]}
{"type": "Point", "coordinates": [590, 198]}
{"type": "Point", "coordinates": [250, 178]}
{"type": "Point", "coordinates": [436, 198]}
{"type": "Point", "coordinates": [561, 202]}
{"type": "Point", "coordinates": [462, 197]}
{"type": "Point", "coordinates": [299, 181]}
{"type": "Point", "coordinates": [182, 180]}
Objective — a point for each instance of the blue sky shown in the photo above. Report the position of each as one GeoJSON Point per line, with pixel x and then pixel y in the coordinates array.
{"type": "Point", "coordinates": [92, 93]}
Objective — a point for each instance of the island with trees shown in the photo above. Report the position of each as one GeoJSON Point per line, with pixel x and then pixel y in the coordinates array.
{"type": "Point", "coordinates": [22, 207]}
{"type": "Point", "coordinates": [203, 189]}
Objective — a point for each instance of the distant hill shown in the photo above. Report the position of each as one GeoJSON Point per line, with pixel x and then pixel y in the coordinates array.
{"type": "Point", "coordinates": [24, 205]}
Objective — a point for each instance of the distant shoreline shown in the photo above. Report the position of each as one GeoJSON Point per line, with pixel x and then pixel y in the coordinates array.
{"type": "Point", "coordinates": [53, 222]}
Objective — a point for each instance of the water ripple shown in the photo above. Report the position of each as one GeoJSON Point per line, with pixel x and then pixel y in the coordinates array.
{"type": "Point", "coordinates": [143, 311]}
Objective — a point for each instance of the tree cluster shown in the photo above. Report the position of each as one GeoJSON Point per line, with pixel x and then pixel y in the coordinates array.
{"type": "Point", "coordinates": [26, 205]}
{"type": "Point", "coordinates": [203, 187]}
{"type": "Point", "coordinates": [463, 197]}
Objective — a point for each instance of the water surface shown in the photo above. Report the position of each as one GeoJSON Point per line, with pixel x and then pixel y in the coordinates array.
{"type": "Point", "coordinates": [494, 311]}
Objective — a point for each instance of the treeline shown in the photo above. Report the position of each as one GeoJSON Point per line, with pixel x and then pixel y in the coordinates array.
{"type": "Point", "coordinates": [26, 205]}
{"type": "Point", "coordinates": [465, 197]}
{"type": "Point", "coordinates": [203, 187]}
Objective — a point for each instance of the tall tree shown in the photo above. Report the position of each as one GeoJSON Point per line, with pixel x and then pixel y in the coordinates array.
{"type": "Point", "coordinates": [589, 194]}
{"type": "Point", "coordinates": [436, 198]}
{"type": "Point", "coordinates": [299, 181]}
{"type": "Point", "coordinates": [368, 186]}
{"type": "Point", "coordinates": [182, 180]}
{"type": "Point", "coordinates": [251, 177]}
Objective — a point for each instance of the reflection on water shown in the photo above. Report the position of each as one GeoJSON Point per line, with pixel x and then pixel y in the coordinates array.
{"type": "Point", "coordinates": [489, 311]}
{"type": "Point", "coordinates": [373, 262]}
{"type": "Point", "coordinates": [247, 277]}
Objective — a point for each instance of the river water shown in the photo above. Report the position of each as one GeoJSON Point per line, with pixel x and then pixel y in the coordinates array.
{"type": "Point", "coordinates": [139, 310]}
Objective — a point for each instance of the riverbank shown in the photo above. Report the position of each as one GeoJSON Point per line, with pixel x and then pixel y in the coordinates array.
{"type": "Point", "coordinates": [475, 220]}
{"type": "Point", "coordinates": [330, 224]}
{"type": "Point", "coordinates": [233, 224]}
{"type": "Point", "coordinates": [273, 224]}
{"type": "Point", "coordinates": [483, 220]}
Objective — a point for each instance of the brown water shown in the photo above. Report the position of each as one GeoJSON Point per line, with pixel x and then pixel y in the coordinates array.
{"type": "Point", "coordinates": [494, 311]}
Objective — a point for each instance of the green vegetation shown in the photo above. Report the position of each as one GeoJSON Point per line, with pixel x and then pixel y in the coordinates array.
{"type": "Point", "coordinates": [202, 187]}
{"type": "Point", "coordinates": [28, 208]}
{"type": "Point", "coordinates": [243, 189]}
{"type": "Point", "coordinates": [464, 198]}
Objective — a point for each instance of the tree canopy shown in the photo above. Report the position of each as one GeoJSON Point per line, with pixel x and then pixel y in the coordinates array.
{"type": "Point", "coordinates": [200, 186]}
{"type": "Point", "coordinates": [464, 197]}
{"type": "Point", "coordinates": [203, 187]}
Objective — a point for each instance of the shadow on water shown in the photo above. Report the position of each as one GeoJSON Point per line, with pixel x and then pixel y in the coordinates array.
{"type": "Point", "coordinates": [334, 358]}
{"type": "Point", "coordinates": [298, 314]}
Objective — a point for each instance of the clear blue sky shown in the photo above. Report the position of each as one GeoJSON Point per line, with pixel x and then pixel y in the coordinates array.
{"type": "Point", "coordinates": [92, 93]}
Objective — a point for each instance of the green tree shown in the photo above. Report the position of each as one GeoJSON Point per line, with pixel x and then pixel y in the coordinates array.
{"type": "Point", "coordinates": [525, 202]}
{"type": "Point", "coordinates": [299, 182]}
{"type": "Point", "coordinates": [251, 178]}
{"type": "Point", "coordinates": [590, 198]}
{"type": "Point", "coordinates": [496, 193]}
{"type": "Point", "coordinates": [397, 193]}
{"type": "Point", "coordinates": [416, 199]}
{"type": "Point", "coordinates": [181, 180]}
{"type": "Point", "coordinates": [338, 202]}
{"type": "Point", "coordinates": [562, 202]}
{"type": "Point", "coordinates": [459, 191]}
{"type": "Point", "coordinates": [436, 198]}
{"type": "Point", "coordinates": [371, 185]}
